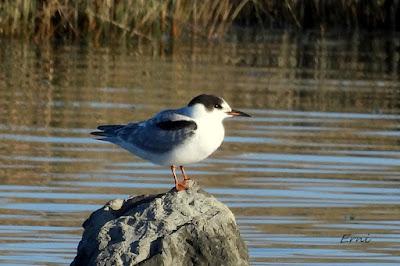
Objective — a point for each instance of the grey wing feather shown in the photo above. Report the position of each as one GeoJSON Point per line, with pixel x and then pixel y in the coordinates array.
{"type": "Point", "coordinates": [148, 135]}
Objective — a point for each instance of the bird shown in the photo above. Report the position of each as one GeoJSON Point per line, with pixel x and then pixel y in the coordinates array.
{"type": "Point", "coordinates": [175, 137]}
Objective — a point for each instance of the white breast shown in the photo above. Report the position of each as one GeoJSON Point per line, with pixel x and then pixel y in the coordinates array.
{"type": "Point", "coordinates": [208, 137]}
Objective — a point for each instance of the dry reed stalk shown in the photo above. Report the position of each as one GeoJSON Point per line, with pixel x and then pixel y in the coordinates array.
{"type": "Point", "coordinates": [46, 19]}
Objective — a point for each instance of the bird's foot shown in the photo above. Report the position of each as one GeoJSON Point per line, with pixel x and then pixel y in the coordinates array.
{"type": "Point", "coordinates": [183, 185]}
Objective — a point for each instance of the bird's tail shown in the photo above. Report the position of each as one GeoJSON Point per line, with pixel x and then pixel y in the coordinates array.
{"type": "Point", "coordinates": [107, 130]}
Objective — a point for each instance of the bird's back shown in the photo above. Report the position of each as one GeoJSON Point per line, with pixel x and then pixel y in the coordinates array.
{"type": "Point", "coordinates": [151, 139]}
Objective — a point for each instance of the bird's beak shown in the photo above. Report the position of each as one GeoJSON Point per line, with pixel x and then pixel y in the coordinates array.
{"type": "Point", "coordinates": [237, 113]}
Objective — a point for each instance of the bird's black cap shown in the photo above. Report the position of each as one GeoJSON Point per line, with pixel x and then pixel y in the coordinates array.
{"type": "Point", "coordinates": [209, 101]}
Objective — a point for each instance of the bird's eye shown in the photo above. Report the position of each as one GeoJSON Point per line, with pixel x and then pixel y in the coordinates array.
{"type": "Point", "coordinates": [218, 106]}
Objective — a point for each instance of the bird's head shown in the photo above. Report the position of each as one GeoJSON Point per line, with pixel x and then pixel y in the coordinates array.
{"type": "Point", "coordinates": [211, 106]}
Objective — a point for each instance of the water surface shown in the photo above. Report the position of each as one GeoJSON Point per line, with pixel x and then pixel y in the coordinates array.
{"type": "Point", "coordinates": [319, 159]}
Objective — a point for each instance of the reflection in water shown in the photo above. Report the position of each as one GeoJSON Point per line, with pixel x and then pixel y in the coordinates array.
{"type": "Point", "coordinates": [319, 159]}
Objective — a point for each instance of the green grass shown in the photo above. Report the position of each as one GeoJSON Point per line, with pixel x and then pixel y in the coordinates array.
{"type": "Point", "coordinates": [153, 19]}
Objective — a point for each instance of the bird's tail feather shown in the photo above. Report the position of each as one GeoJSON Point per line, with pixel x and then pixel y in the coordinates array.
{"type": "Point", "coordinates": [107, 130]}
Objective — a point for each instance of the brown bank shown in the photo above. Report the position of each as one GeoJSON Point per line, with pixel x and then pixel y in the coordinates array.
{"type": "Point", "coordinates": [174, 228]}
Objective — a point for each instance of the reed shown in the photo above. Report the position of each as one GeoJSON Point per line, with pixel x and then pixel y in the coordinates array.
{"type": "Point", "coordinates": [153, 19]}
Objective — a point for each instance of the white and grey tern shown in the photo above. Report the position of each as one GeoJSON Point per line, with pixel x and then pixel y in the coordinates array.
{"type": "Point", "coordinates": [175, 137]}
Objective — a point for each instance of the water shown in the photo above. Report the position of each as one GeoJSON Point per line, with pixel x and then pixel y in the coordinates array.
{"type": "Point", "coordinates": [320, 158]}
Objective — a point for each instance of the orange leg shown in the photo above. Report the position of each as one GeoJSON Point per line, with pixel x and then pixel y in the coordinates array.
{"type": "Point", "coordinates": [178, 185]}
{"type": "Point", "coordinates": [174, 174]}
{"type": "Point", "coordinates": [185, 177]}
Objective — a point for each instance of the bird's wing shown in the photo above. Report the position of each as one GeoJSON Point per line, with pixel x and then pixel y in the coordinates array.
{"type": "Point", "coordinates": [159, 134]}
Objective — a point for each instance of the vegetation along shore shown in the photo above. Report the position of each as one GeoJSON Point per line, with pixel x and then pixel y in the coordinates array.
{"type": "Point", "coordinates": [154, 19]}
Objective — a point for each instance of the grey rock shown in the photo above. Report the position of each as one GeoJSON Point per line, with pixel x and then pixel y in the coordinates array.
{"type": "Point", "coordinates": [174, 228]}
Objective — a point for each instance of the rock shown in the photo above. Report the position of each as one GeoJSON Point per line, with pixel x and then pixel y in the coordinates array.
{"type": "Point", "coordinates": [174, 228]}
